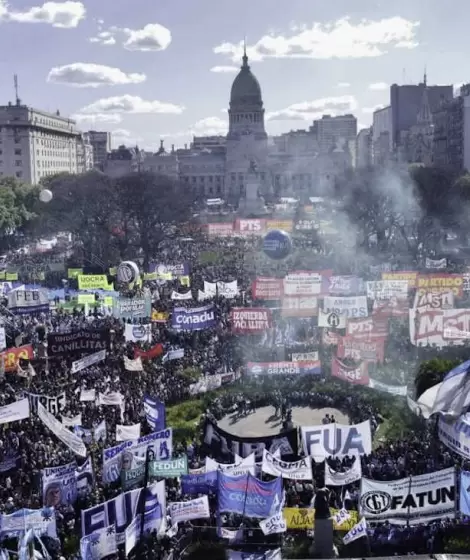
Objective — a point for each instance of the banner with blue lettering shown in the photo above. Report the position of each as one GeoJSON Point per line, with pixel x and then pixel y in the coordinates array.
{"type": "Point", "coordinates": [337, 440]}
{"type": "Point", "coordinates": [41, 521]}
{"type": "Point", "coordinates": [131, 454]}
{"type": "Point", "coordinates": [193, 319]}
{"type": "Point", "coordinates": [120, 511]}
{"type": "Point", "coordinates": [99, 544]}
{"type": "Point", "coordinates": [465, 493]}
{"type": "Point", "coordinates": [155, 413]}
{"type": "Point", "coordinates": [59, 485]}
{"type": "Point", "coordinates": [247, 495]}
{"type": "Point", "coordinates": [195, 484]}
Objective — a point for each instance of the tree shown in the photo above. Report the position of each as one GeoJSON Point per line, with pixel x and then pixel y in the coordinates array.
{"type": "Point", "coordinates": [152, 209]}
{"type": "Point", "coordinates": [432, 372]}
{"type": "Point", "coordinates": [17, 201]}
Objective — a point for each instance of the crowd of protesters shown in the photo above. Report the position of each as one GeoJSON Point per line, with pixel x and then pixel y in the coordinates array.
{"type": "Point", "coordinates": [209, 352]}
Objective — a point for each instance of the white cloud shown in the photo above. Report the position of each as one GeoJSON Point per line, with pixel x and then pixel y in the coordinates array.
{"type": "Point", "coordinates": [92, 120]}
{"type": "Point", "coordinates": [83, 74]}
{"type": "Point", "coordinates": [58, 14]}
{"type": "Point", "coordinates": [340, 39]}
{"type": "Point", "coordinates": [343, 85]}
{"type": "Point", "coordinates": [378, 86]}
{"type": "Point", "coordinates": [152, 37]}
{"type": "Point", "coordinates": [209, 126]}
{"type": "Point", "coordinates": [225, 69]}
{"type": "Point", "coordinates": [309, 110]}
{"type": "Point", "coordinates": [370, 110]}
{"type": "Point", "coordinates": [123, 136]}
{"type": "Point", "coordinates": [130, 104]}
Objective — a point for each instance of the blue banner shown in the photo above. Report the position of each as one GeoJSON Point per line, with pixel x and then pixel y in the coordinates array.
{"type": "Point", "coordinates": [155, 413]}
{"type": "Point", "coordinates": [59, 485]}
{"type": "Point", "coordinates": [247, 495]}
{"type": "Point", "coordinates": [194, 319]}
{"type": "Point", "coordinates": [195, 484]}
{"type": "Point", "coordinates": [465, 492]}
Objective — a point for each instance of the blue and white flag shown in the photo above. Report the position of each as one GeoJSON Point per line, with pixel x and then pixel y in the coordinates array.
{"type": "Point", "coordinates": [85, 479]}
{"type": "Point", "coordinates": [359, 530]}
{"type": "Point", "coordinates": [100, 432]}
{"type": "Point", "coordinates": [273, 525]}
{"type": "Point", "coordinates": [453, 396]}
{"type": "Point", "coordinates": [99, 544]}
{"type": "Point", "coordinates": [155, 413]}
{"type": "Point", "coordinates": [24, 545]}
{"type": "Point", "coordinates": [266, 555]}
{"type": "Point", "coordinates": [84, 433]}
{"type": "Point", "coordinates": [193, 319]}
{"type": "Point", "coordinates": [41, 521]}
{"type": "Point", "coordinates": [175, 354]}
{"type": "Point", "coordinates": [133, 534]}
{"type": "Point", "coordinates": [465, 493]}
{"type": "Point", "coordinates": [4, 555]}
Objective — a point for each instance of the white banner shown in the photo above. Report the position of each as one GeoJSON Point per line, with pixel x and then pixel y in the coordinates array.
{"type": "Point", "coordinates": [138, 333]}
{"type": "Point", "coordinates": [305, 357]}
{"type": "Point", "coordinates": [68, 438]}
{"type": "Point", "coordinates": [133, 365]}
{"type": "Point", "coordinates": [298, 470]}
{"type": "Point", "coordinates": [273, 525]}
{"type": "Point", "coordinates": [186, 511]}
{"type": "Point", "coordinates": [439, 328]}
{"type": "Point", "coordinates": [181, 297]}
{"type": "Point", "coordinates": [25, 301]}
{"type": "Point", "coordinates": [88, 361]}
{"type": "Point", "coordinates": [72, 422]}
{"type": "Point", "coordinates": [352, 307]}
{"type": "Point", "coordinates": [14, 412]}
{"type": "Point", "coordinates": [265, 555]}
{"type": "Point", "coordinates": [437, 264]}
{"type": "Point", "coordinates": [337, 440]}
{"type": "Point", "coordinates": [397, 390]}
{"type": "Point", "coordinates": [3, 340]}
{"type": "Point", "coordinates": [331, 320]}
{"type": "Point", "coordinates": [387, 289]}
{"type": "Point", "coordinates": [210, 289]}
{"type": "Point", "coordinates": [335, 478]}
{"type": "Point", "coordinates": [414, 500]}
{"type": "Point", "coordinates": [228, 290]}
{"type": "Point", "coordinates": [303, 284]}
{"type": "Point", "coordinates": [127, 433]}
{"type": "Point", "coordinates": [455, 436]}
{"type": "Point", "coordinates": [245, 466]}
{"type": "Point", "coordinates": [87, 395]}
{"type": "Point", "coordinates": [433, 300]}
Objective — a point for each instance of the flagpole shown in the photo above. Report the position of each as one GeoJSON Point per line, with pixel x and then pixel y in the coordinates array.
{"type": "Point", "coordinates": [149, 455]}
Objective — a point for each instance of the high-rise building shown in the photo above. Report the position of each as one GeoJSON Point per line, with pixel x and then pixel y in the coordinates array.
{"type": "Point", "coordinates": [364, 148]}
{"type": "Point", "coordinates": [35, 144]}
{"type": "Point", "coordinates": [382, 142]}
{"type": "Point", "coordinates": [84, 153]}
{"type": "Point", "coordinates": [101, 143]}
{"type": "Point", "coordinates": [335, 131]}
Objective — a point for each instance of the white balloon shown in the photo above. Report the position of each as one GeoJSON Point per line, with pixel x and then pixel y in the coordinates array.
{"type": "Point", "coordinates": [45, 195]}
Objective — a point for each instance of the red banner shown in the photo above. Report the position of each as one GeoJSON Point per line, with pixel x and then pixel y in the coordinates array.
{"type": "Point", "coordinates": [152, 353]}
{"type": "Point", "coordinates": [267, 288]}
{"type": "Point", "coordinates": [357, 375]}
{"type": "Point", "coordinates": [392, 307]}
{"type": "Point", "coordinates": [368, 328]}
{"type": "Point", "coordinates": [253, 226]}
{"type": "Point", "coordinates": [409, 276]}
{"type": "Point", "coordinates": [12, 356]}
{"type": "Point", "coordinates": [359, 349]}
{"type": "Point", "coordinates": [248, 320]}
{"type": "Point", "coordinates": [330, 337]}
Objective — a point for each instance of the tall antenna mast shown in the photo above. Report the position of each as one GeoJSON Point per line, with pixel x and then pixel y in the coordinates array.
{"type": "Point", "coordinates": [15, 81]}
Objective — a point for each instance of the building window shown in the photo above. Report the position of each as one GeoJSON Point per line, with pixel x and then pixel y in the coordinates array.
{"type": "Point", "coordinates": [17, 151]}
{"type": "Point", "coordinates": [18, 163]}
{"type": "Point", "coordinates": [18, 174]}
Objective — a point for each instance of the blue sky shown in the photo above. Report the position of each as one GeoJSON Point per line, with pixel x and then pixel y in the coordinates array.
{"type": "Point", "coordinates": [147, 69]}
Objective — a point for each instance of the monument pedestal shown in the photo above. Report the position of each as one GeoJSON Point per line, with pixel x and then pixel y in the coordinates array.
{"type": "Point", "coordinates": [323, 546]}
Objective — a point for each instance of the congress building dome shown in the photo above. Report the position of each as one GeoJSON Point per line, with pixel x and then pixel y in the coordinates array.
{"type": "Point", "coordinates": [245, 88]}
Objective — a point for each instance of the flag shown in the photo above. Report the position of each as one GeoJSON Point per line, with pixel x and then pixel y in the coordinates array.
{"type": "Point", "coordinates": [359, 530]}
{"type": "Point", "coordinates": [99, 544]}
{"type": "Point", "coordinates": [133, 365]}
{"type": "Point", "coordinates": [155, 413]}
{"type": "Point", "coordinates": [453, 396]}
{"type": "Point", "coordinates": [273, 525]}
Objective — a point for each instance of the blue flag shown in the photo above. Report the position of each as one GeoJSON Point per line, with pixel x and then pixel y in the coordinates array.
{"type": "Point", "coordinates": [247, 495]}
{"type": "Point", "coordinates": [465, 492]}
{"type": "Point", "coordinates": [155, 413]}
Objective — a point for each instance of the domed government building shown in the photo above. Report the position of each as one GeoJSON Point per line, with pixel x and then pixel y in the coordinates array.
{"type": "Point", "coordinates": [299, 162]}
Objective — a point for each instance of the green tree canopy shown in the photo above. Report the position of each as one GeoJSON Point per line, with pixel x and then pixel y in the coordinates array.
{"type": "Point", "coordinates": [432, 372]}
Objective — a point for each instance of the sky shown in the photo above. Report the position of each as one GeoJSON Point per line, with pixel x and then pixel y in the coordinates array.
{"type": "Point", "coordinates": [148, 70]}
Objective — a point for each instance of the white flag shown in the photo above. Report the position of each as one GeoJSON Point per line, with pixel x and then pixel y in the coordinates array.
{"type": "Point", "coordinates": [68, 438]}
{"type": "Point", "coordinates": [359, 530]}
{"type": "Point", "coordinates": [71, 422]}
{"type": "Point", "coordinates": [341, 516]}
{"type": "Point", "coordinates": [127, 433]}
{"type": "Point", "coordinates": [274, 524]}
{"type": "Point", "coordinates": [100, 544]}
{"type": "Point", "coordinates": [133, 365]}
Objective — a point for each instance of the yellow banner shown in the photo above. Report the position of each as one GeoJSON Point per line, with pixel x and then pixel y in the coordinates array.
{"type": "Point", "coordinates": [11, 276]}
{"type": "Point", "coordinates": [301, 519]}
{"type": "Point", "coordinates": [285, 225]}
{"type": "Point", "coordinates": [74, 272]}
{"type": "Point", "coordinates": [93, 282]}
{"type": "Point", "coordinates": [159, 316]}
{"type": "Point", "coordinates": [86, 298]}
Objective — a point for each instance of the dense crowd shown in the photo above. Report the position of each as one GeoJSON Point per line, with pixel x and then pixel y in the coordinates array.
{"type": "Point", "coordinates": [28, 447]}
